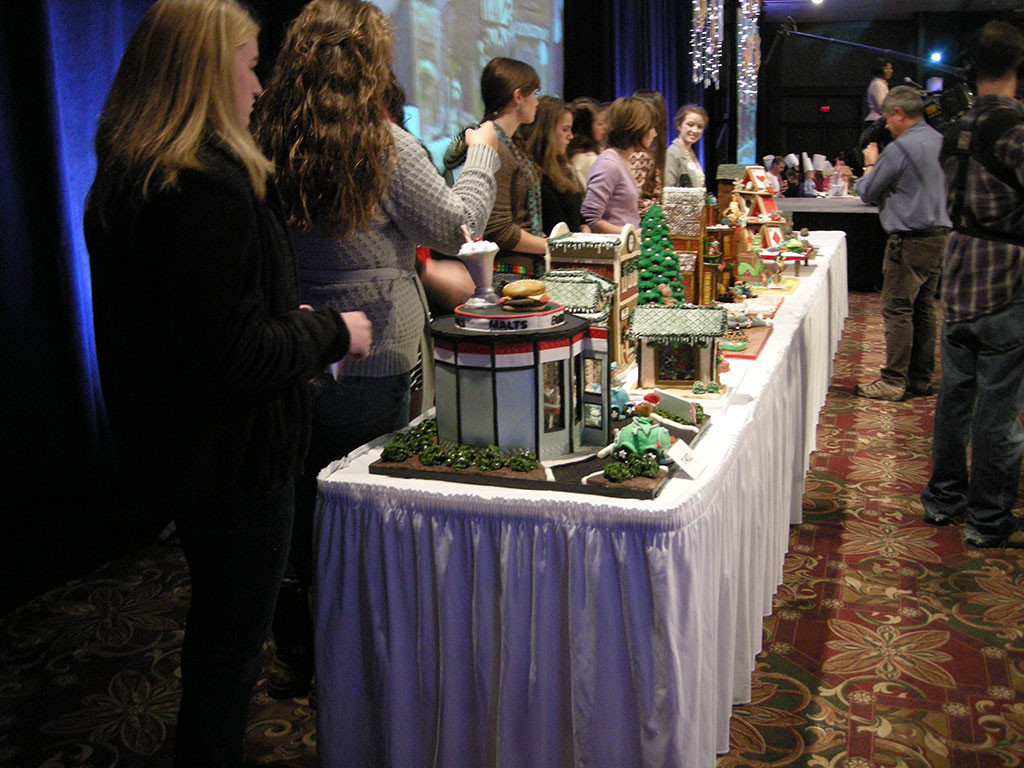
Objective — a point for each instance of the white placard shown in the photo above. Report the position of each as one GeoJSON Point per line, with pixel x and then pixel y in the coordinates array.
{"type": "Point", "coordinates": [682, 454]}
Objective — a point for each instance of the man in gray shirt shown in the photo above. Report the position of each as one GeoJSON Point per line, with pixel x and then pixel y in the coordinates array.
{"type": "Point", "coordinates": [905, 181]}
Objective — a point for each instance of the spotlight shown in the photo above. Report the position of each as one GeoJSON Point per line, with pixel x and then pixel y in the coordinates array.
{"type": "Point", "coordinates": [817, 2]}
{"type": "Point", "coordinates": [936, 56]}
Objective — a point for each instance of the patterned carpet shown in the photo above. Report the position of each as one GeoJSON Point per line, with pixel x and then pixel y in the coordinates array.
{"type": "Point", "coordinates": [891, 643]}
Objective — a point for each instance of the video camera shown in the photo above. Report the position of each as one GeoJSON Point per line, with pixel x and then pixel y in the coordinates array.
{"type": "Point", "coordinates": [941, 111]}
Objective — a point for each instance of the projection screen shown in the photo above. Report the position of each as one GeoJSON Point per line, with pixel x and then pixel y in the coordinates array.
{"type": "Point", "coordinates": [441, 46]}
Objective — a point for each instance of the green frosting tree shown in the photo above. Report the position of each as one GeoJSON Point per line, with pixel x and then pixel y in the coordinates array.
{"type": "Point", "coordinates": [658, 264]}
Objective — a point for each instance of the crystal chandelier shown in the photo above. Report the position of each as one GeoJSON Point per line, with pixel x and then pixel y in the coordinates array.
{"type": "Point", "coordinates": [748, 50]}
{"type": "Point", "coordinates": [706, 41]}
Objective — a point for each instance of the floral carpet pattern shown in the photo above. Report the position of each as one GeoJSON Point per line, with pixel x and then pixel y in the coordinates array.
{"type": "Point", "coordinates": [891, 642]}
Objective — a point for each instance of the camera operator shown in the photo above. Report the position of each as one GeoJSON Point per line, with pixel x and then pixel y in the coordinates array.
{"type": "Point", "coordinates": [912, 209]}
{"type": "Point", "coordinates": [983, 294]}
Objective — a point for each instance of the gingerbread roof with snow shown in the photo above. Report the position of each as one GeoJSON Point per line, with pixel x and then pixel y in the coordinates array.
{"type": "Point", "coordinates": [678, 324]}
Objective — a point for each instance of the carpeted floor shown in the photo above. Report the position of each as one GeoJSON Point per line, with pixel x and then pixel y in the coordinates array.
{"type": "Point", "coordinates": [891, 643]}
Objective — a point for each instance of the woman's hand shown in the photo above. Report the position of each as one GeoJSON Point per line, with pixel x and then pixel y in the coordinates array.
{"type": "Point", "coordinates": [605, 228]}
{"type": "Point", "coordinates": [485, 134]}
{"type": "Point", "coordinates": [870, 154]}
{"type": "Point", "coordinates": [360, 334]}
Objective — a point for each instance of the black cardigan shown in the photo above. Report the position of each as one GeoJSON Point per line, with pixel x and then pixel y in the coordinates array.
{"type": "Point", "coordinates": [560, 206]}
{"type": "Point", "coordinates": [204, 355]}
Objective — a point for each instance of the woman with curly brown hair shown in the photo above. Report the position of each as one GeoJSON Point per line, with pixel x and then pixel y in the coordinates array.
{"type": "Point", "coordinates": [561, 192]}
{"type": "Point", "coordinates": [360, 194]}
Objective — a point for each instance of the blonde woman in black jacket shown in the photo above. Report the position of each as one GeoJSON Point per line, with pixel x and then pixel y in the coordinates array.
{"type": "Point", "coordinates": [204, 353]}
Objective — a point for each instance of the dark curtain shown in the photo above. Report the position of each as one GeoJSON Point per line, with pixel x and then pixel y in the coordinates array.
{"type": "Point", "coordinates": [57, 59]}
{"type": "Point", "coordinates": [615, 47]}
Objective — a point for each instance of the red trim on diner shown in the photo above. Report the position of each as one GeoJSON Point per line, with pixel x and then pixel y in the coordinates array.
{"type": "Point", "coordinates": [513, 349]}
{"type": "Point", "coordinates": [554, 344]}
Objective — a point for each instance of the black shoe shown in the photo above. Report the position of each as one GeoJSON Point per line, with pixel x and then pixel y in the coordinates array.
{"type": "Point", "coordinates": [290, 677]}
{"type": "Point", "coordinates": [1014, 540]}
{"type": "Point", "coordinates": [941, 518]}
{"type": "Point", "coordinates": [921, 390]}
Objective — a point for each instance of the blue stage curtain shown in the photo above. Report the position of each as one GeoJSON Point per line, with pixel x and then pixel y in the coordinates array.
{"type": "Point", "coordinates": [650, 49]}
{"type": "Point", "coordinates": [57, 60]}
{"type": "Point", "coordinates": [52, 100]}
{"type": "Point", "coordinates": [86, 41]}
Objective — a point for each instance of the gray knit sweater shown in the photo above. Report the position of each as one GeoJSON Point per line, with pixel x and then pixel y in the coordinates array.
{"type": "Point", "coordinates": [375, 270]}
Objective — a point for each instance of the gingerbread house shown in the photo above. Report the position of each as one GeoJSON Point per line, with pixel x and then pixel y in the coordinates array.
{"type": "Point", "coordinates": [686, 212]}
{"type": "Point", "coordinates": [612, 257]}
{"type": "Point", "coordinates": [677, 345]}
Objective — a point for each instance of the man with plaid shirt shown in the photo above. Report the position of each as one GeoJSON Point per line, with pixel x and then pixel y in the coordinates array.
{"type": "Point", "coordinates": [982, 391]}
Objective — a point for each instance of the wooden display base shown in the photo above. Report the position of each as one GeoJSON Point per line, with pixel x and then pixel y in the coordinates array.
{"type": "Point", "coordinates": [756, 338]}
{"type": "Point", "coordinates": [568, 474]}
{"type": "Point", "coordinates": [786, 288]}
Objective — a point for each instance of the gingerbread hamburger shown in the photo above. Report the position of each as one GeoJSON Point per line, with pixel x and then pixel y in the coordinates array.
{"type": "Point", "coordinates": [524, 296]}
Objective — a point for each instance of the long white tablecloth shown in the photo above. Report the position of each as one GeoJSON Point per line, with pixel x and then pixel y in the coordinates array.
{"type": "Point", "coordinates": [476, 626]}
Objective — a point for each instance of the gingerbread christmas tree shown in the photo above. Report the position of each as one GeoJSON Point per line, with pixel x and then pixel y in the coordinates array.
{"type": "Point", "coordinates": [658, 280]}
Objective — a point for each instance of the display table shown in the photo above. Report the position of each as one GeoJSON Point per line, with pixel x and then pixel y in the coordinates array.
{"type": "Point", "coordinates": [478, 626]}
{"type": "Point", "coordinates": [865, 236]}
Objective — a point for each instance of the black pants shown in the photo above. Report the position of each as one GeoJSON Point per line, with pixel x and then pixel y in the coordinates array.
{"type": "Point", "coordinates": [236, 556]}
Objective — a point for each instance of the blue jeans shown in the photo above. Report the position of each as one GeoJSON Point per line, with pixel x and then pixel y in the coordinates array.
{"type": "Point", "coordinates": [910, 274]}
{"type": "Point", "coordinates": [980, 402]}
{"type": "Point", "coordinates": [236, 554]}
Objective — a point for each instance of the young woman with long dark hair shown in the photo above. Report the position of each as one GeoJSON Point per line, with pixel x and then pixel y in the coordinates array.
{"type": "Point", "coordinates": [561, 193]}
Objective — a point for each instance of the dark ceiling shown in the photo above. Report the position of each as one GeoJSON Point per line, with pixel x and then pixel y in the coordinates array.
{"type": "Point", "coordinates": [876, 10]}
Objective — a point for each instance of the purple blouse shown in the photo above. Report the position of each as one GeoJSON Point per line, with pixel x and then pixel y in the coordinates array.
{"type": "Point", "coordinates": [612, 194]}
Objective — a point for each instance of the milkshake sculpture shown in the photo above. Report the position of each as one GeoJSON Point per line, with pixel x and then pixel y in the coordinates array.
{"type": "Point", "coordinates": [478, 256]}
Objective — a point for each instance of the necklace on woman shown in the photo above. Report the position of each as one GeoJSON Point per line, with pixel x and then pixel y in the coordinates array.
{"type": "Point", "coordinates": [532, 179]}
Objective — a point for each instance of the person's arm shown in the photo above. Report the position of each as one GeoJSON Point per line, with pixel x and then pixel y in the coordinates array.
{"type": "Point", "coordinates": [428, 211]}
{"type": "Point", "coordinates": [600, 188]}
{"type": "Point", "coordinates": [1009, 149]}
{"type": "Point", "coordinates": [501, 227]}
{"type": "Point", "coordinates": [880, 172]}
{"type": "Point", "coordinates": [532, 244]}
{"type": "Point", "coordinates": [447, 283]}
{"type": "Point", "coordinates": [603, 227]}
{"type": "Point", "coordinates": [206, 253]}
{"type": "Point", "coordinates": [673, 165]}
